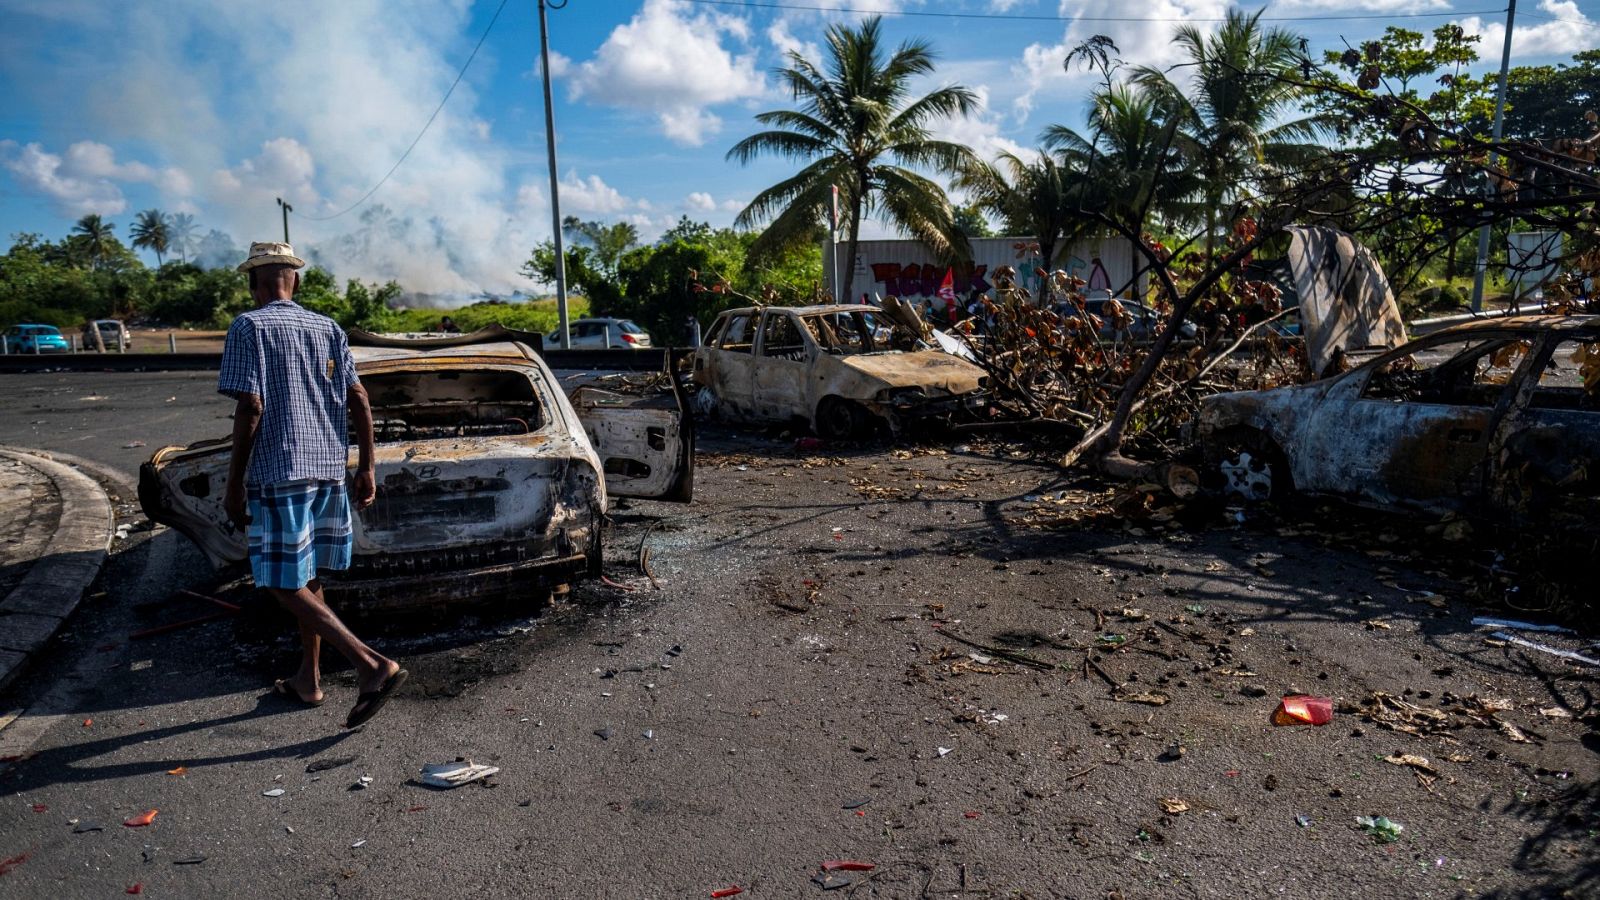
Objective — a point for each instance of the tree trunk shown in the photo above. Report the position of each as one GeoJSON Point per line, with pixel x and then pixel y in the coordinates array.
{"type": "Point", "coordinates": [845, 296]}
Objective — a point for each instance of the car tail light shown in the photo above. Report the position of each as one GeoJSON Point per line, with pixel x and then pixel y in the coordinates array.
{"type": "Point", "coordinates": [629, 338]}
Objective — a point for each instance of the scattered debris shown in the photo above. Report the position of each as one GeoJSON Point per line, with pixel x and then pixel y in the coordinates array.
{"type": "Point", "coordinates": [603, 734]}
{"type": "Point", "coordinates": [142, 819]}
{"type": "Point", "coordinates": [829, 881]}
{"type": "Point", "coordinates": [323, 765]}
{"type": "Point", "coordinates": [361, 783]}
{"type": "Point", "coordinates": [730, 891]}
{"type": "Point", "coordinates": [945, 751]}
{"type": "Point", "coordinates": [1149, 698]}
{"type": "Point", "coordinates": [455, 774]}
{"type": "Point", "coordinates": [1520, 626]}
{"type": "Point", "coordinates": [86, 826]}
{"type": "Point", "coordinates": [180, 770]}
{"type": "Point", "coordinates": [1382, 829]}
{"type": "Point", "coordinates": [1303, 821]}
{"type": "Point", "coordinates": [1545, 648]}
{"type": "Point", "coordinates": [11, 862]}
{"type": "Point", "coordinates": [275, 792]}
{"type": "Point", "coordinates": [359, 843]}
{"type": "Point", "coordinates": [135, 888]}
{"type": "Point", "coordinates": [1173, 806]}
{"type": "Point", "coordinates": [847, 865]}
{"type": "Point", "coordinates": [194, 860]}
{"type": "Point", "coordinates": [1303, 709]}
{"type": "Point", "coordinates": [1425, 772]}
{"type": "Point", "coordinates": [855, 804]}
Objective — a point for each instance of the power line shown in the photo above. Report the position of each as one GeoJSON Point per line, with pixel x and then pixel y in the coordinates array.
{"type": "Point", "coordinates": [932, 14]}
{"type": "Point", "coordinates": [425, 126]}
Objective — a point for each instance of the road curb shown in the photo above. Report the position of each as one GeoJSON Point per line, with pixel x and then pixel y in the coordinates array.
{"type": "Point", "coordinates": [36, 608]}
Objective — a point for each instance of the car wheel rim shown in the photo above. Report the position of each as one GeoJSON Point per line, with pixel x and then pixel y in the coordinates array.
{"type": "Point", "coordinates": [1247, 477]}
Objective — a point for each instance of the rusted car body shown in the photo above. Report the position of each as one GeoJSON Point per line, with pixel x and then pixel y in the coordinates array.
{"type": "Point", "coordinates": [490, 481]}
{"type": "Point", "coordinates": [1493, 418]}
{"type": "Point", "coordinates": [834, 367]}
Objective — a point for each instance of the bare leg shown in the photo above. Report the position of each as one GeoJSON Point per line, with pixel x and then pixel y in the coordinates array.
{"type": "Point", "coordinates": [312, 612]}
{"type": "Point", "coordinates": [307, 680]}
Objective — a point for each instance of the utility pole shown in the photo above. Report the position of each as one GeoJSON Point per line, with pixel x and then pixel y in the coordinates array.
{"type": "Point", "coordinates": [286, 210]}
{"type": "Point", "coordinates": [555, 188]}
{"type": "Point", "coordinates": [1499, 123]}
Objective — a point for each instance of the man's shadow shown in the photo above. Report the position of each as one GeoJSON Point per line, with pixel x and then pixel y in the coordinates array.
{"type": "Point", "coordinates": [65, 764]}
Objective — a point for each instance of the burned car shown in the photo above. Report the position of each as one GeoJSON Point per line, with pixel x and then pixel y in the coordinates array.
{"type": "Point", "coordinates": [837, 368]}
{"type": "Point", "coordinates": [1494, 418]}
{"type": "Point", "coordinates": [491, 482]}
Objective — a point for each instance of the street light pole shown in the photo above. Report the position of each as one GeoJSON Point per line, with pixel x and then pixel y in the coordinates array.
{"type": "Point", "coordinates": [1499, 124]}
{"type": "Point", "coordinates": [555, 188]}
{"type": "Point", "coordinates": [286, 210]}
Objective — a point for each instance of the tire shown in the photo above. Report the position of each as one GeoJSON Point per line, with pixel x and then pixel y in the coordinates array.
{"type": "Point", "coordinates": [1245, 464]}
{"type": "Point", "coordinates": [839, 419]}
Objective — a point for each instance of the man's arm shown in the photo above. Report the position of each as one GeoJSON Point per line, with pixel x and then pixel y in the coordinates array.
{"type": "Point", "coordinates": [366, 488]}
{"type": "Point", "coordinates": [246, 420]}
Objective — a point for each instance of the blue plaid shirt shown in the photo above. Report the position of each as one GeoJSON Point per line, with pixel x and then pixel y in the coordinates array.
{"type": "Point", "coordinates": [299, 364]}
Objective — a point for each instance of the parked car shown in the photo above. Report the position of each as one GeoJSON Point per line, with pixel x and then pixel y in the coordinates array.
{"type": "Point", "coordinates": [112, 332]}
{"type": "Point", "coordinates": [1498, 418]}
{"type": "Point", "coordinates": [490, 480]}
{"type": "Point", "coordinates": [600, 334]}
{"type": "Point", "coordinates": [1140, 330]}
{"type": "Point", "coordinates": [832, 367]}
{"type": "Point", "coordinates": [36, 339]}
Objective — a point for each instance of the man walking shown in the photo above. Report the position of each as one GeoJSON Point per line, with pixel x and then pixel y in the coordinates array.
{"type": "Point", "coordinates": [291, 373]}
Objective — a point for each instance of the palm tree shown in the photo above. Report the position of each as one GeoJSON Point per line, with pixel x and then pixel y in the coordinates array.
{"type": "Point", "coordinates": [183, 229]}
{"type": "Point", "coordinates": [1232, 105]}
{"type": "Point", "coordinates": [859, 131]}
{"type": "Point", "coordinates": [152, 229]}
{"type": "Point", "coordinates": [1134, 160]}
{"type": "Point", "coordinates": [1030, 198]}
{"type": "Point", "coordinates": [98, 237]}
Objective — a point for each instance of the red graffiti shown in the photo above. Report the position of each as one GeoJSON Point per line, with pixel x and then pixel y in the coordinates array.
{"type": "Point", "coordinates": [924, 280]}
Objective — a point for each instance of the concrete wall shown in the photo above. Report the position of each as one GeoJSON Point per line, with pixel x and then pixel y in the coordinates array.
{"type": "Point", "coordinates": [906, 268]}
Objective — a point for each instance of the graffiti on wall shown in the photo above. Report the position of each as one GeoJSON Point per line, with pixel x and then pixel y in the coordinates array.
{"type": "Point", "coordinates": [923, 280]}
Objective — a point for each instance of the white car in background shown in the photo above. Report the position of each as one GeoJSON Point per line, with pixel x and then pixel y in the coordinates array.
{"type": "Point", "coordinates": [602, 334]}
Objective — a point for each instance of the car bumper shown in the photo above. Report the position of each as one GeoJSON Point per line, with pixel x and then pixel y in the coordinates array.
{"type": "Point", "coordinates": [524, 579]}
{"type": "Point", "coordinates": [935, 407]}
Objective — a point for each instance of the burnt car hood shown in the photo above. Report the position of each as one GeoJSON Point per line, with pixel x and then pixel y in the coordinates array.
{"type": "Point", "coordinates": [924, 368]}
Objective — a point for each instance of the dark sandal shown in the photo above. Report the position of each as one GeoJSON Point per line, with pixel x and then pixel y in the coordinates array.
{"type": "Point", "coordinates": [282, 689]}
{"type": "Point", "coordinates": [369, 702]}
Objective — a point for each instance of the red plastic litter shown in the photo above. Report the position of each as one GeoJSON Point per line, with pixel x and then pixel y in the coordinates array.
{"type": "Point", "coordinates": [142, 819]}
{"type": "Point", "coordinates": [416, 809]}
{"type": "Point", "coordinates": [136, 889]}
{"type": "Point", "coordinates": [731, 891]}
{"type": "Point", "coordinates": [88, 723]}
{"type": "Point", "coordinates": [861, 812]}
{"type": "Point", "coordinates": [1232, 773]}
{"type": "Point", "coordinates": [971, 815]}
{"type": "Point", "coordinates": [6, 865]}
{"type": "Point", "coordinates": [40, 807]}
{"type": "Point", "coordinates": [847, 865]}
{"type": "Point", "coordinates": [1303, 709]}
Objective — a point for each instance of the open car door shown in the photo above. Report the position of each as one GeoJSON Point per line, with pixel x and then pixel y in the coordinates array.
{"type": "Point", "coordinates": [183, 487]}
{"type": "Point", "coordinates": [645, 443]}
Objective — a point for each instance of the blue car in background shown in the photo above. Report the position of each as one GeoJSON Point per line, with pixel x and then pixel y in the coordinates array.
{"type": "Point", "coordinates": [35, 339]}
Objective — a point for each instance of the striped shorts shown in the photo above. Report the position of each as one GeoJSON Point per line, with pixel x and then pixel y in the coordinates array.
{"type": "Point", "coordinates": [296, 528]}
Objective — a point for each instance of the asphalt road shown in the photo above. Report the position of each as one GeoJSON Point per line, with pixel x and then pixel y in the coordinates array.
{"type": "Point", "coordinates": [793, 694]}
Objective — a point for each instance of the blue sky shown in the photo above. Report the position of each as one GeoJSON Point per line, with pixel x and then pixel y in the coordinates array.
{"type": "Point", "coordinates": [216, 108]}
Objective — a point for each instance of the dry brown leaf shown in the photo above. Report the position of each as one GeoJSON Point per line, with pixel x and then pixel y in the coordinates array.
{"type": "Point", "coordinates": [1149, 698]}
{"type": "Point", "coordinates": [1173, 806]}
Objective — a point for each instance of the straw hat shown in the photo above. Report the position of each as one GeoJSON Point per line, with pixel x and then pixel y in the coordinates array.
{"type": "Point", "coordinates": [271, 253]}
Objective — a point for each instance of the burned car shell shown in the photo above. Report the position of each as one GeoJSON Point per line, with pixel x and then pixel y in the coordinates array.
{"type": "Point", "coordinates": [754, 381]}
{"type": "Point", "coordinates": [505, 503]}
{"type": "Point", "coordinates": [1523, 451]}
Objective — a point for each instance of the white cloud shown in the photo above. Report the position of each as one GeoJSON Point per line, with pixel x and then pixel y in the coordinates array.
{"type": "Point", "coordinates": [782, 36]}
{"type": "Point", "coordinates": [283, 168]}
{"type": "Point", "coordinates": [86, 177]}
{"type": "Point", "coordinates": [1147, 41]}
{"type": "Point", "coordinates": [1571, 32]}
{"type": "Point", "coordinates": [671, 61]}
{"type": "Point", "coordinates": [592, 196]}
{"type": "Point", "coordinates": [1004, 6]}
{"type": "Point", "coordinates": [981, 131]}
{"type": "Point", "coordinates": [700, 201]}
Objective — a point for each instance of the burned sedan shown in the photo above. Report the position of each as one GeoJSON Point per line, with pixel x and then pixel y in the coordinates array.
{"type": "Point", "coordinates": [1497, 417]}
{"type": "Point", "coordinates": [834, 367]}
{"type": "Point", "coordinates": [490, 481]}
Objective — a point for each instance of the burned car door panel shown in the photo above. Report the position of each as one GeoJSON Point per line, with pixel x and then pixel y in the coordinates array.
{"type": "Point", "coordinates": [645, 444]}
{"type": "Point", "coordinates": [779, 385]}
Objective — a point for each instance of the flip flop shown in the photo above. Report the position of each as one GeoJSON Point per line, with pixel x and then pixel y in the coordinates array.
{"type": "Point", "coordinates": [369, 702]}
{"type": "Point", "coordinates": [281, 688]}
